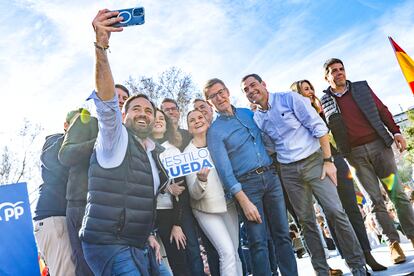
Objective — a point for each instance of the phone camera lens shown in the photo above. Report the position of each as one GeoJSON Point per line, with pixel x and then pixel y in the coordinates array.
{"type": "Point", "coordinates": [138, 12]}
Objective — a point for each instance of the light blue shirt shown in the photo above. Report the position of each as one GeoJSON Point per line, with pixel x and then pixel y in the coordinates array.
{"type": "Point", "coordinates": [112, 141]}
{"type": "Point", "coordinates": [236, 147]}
{"type": "Point", "coordinates": [293, 125]}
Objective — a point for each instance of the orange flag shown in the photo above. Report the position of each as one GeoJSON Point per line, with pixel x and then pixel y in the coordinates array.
{"type": "Point", "coordinates": [406, 63]}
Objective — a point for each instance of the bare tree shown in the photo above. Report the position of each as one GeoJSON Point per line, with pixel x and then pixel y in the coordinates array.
{"type": "Point", "coordinates": [5, 165]}
{"type": "Point", "coordinates": [19, 159]}
{"type": "Point", "coordinates": [172, 83]}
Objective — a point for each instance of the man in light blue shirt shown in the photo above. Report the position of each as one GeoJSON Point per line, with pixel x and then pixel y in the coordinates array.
{"type": "Point", "coordinates": [300, 138]}
{"type": "Point", "coordinates": [246, 171]}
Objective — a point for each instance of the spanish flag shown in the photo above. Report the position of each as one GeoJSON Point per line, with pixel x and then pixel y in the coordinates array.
{"type": "Point", "coordinates": [406, 63]}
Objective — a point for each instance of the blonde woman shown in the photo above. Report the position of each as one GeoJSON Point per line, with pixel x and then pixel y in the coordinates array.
{"type": "Point", "coordinates": [217, 218]}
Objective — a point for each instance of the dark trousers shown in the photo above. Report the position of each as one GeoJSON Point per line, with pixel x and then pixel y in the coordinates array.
{"type": "Point", "coordinates": [182, 262]}
{"type": "Point", "coordinates": [194, 260]}
{"type": "Point", "coordinates": [176, 257]}
{"type": "Point", "coordinates": [347, 196]}
{"type": "Point", "coordinates": [74, 217]}
{"type": "Point", "coordinates": [213, 258]}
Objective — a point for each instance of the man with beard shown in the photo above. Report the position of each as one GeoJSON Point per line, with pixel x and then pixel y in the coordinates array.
{"type": "Point", "coordinates": [123, 175]}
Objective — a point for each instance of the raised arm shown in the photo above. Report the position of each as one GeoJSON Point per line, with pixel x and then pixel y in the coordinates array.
{"type": "Point", "coordinates": [102, 25]}
{"type": "Point", "coordinates": [112, 139]}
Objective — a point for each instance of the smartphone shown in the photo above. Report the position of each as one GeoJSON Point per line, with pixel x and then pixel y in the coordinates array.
{"type": "Point", "coordinates": [134, 16]}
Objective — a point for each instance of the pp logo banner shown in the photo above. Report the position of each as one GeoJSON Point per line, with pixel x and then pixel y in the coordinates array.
{"type": "Point", "coordinates": [18, 254]}
{"type": "Point", "coordinates": [9, 210]}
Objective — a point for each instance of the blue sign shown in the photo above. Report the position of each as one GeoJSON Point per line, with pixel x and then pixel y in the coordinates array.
{"type": "Point", "coordinates": [18, 251]}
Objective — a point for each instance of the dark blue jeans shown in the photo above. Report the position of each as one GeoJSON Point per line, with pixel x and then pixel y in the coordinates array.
{"type": "Point", "coordinates": [192, 250]}
{"type": "Point", "coordinates": [124, 263]}
{"type": "Point", "coordinates": [74, 216]}
{"type": "Point", "coordinates": [265, 192]}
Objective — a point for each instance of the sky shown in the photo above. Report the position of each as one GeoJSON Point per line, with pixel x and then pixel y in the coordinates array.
{"type": "Point", "coordinates": [47, 52]}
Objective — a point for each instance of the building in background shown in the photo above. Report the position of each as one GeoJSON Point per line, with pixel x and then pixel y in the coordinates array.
{"type": "Point", "coordinates": [402, 118]}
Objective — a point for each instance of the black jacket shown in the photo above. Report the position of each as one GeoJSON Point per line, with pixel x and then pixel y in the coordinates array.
{"type": "Point", "coordinates": [52, 191]}
{"type": "Point", "coordinates": [121, 202]}
{"type": "Point", "coordinates": [361, 93]}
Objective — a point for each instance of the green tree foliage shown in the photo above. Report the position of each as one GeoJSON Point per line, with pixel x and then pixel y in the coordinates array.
{"type": "Point", "coordinates": [406, 159]}
{"type": "Point", "coordinates": [409, 136]}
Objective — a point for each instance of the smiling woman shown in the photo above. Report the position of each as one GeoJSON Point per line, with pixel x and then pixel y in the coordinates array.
{"type": "Point", "coordinates": [217, 217]}
{"type": "Point", "coordinates": [171, 203]}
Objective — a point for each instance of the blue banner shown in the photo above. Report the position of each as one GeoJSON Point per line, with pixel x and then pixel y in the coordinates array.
{"type": "Point", "coordinates": [18, 251]}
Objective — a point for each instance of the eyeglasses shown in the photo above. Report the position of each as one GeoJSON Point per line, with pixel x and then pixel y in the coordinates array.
{"type": "Point", "coordinates": [167, 110]}
{"type": "Point", "coordinates": [218, 93]}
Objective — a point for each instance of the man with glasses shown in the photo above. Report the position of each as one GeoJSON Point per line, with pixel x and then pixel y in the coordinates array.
{"type": "Point", "coordinates": [300, 138]}
{"type": "Point", "coordinates": [171, 109]}
{"type": "Point", "coordinates": [246, 170]}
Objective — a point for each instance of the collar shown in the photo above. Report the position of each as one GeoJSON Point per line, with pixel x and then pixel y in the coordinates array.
{"type": "Point", "coordinates": [260, 109]}
{"type": "Point", "coordinates": [224, 115]}
{"type": "Point", "coordinates": [340, 94]}
{"type": "Point", "coordinates": [149, 144]}
{"type": "Point", "coordinates": [146, 142]}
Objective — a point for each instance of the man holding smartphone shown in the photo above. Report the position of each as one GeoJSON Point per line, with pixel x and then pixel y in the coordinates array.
{"type": "Point", "coordinates": [123, 175]}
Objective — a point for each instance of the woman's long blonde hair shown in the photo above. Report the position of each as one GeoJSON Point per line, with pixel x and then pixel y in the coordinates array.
{"type": "Point", "coordinates": [316, 103]}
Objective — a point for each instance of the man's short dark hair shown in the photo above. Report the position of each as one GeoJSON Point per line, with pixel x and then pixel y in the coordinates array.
{"type": "Point", "coordinates": [210, 83]}
{"type": "Point", "coordinates": [198, 100]}
{"type": "Point", "coordinates": [123, 88]}
{"type": "Point", "coordinates": [130, 99]}
{"type": "Point", "coordinates": [329, 62]}
{"type": "Point", "coordinates": [256, 76]}
{"type": "Point", "coordinates": [169, 100]}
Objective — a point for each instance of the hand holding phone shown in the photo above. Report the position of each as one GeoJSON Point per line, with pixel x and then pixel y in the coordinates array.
{"type": "Point", "coordinates": [131, 17]}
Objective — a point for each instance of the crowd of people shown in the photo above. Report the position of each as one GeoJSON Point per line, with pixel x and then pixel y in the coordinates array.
{"type": "Point", "coordinates": [108, 206]}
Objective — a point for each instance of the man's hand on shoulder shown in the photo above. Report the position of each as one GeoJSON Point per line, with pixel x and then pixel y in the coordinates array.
{"type": "Point", "coordinates": [400, 142]}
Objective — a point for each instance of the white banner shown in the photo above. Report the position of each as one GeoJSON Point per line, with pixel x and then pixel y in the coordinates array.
{"type": "Point", "coordinates": [187, 162]}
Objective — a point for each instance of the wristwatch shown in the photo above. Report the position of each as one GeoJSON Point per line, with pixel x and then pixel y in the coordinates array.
{"type": "Point", "coordinates": [329, 159]}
